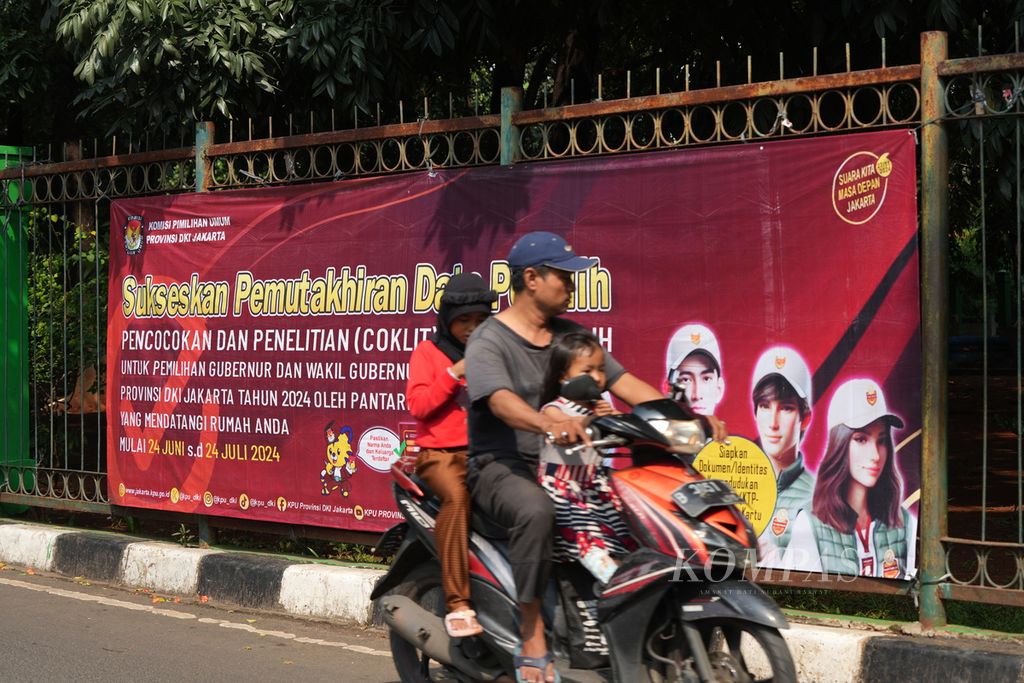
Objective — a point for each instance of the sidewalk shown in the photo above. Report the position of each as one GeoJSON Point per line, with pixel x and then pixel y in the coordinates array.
{"type": "Point", "coordinates": [823, 654]}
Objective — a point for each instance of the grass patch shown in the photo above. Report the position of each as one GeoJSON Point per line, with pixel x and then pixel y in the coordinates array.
{"type": "Point", "coordinates": [900, 608]}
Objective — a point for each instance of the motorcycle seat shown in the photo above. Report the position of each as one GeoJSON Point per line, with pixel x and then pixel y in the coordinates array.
{"type": "Point", "coordinates": [488, 528]}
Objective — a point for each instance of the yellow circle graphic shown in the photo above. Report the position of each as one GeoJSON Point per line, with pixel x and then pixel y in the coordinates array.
{"type": "Point", "coordinates": [175, 495]}
{"type": "Point", "coordinates": [358, 512]}
{"type": "Point", "coordinates": [745, 466]}
{"type": "Point", "coordinates": [860, 185]}
{"type": "Point", "coordinates": [282, 503]}
{"type": "Point", "coordinates": [883, 166]}
{"type": "Point", "coordinates": [243, 501]}
{"type": "Point", "coordinates": [120, 489]}
{"type": "Point", "coordinates": [208, 499]}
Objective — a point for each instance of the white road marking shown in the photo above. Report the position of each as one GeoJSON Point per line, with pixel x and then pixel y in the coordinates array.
{"type": "Point", "coordinates": [175, 614]}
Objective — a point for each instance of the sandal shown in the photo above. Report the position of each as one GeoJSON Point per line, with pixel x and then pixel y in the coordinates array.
{"type": "Point", "coordinates": [538, 663]}
{"type": "Point", "coordinates": [471, 627]}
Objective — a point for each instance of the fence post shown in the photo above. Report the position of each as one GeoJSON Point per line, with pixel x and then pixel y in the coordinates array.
{"type": "Point", "coordinates": [934, 328]}
{"type": "Point", "coordinates": [204, 167]}
{"type": "Point", "coordinates": [511, 104]}
{"type": "Point", "coordinates": [16, 457]}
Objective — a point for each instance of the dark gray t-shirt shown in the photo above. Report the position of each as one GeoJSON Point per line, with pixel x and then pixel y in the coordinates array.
{"type": "Point", "coordinates": [498, 358]}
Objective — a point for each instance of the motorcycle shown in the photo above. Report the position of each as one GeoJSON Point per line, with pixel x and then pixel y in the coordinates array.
{"type": "Point", "coordinates": [676, 610]}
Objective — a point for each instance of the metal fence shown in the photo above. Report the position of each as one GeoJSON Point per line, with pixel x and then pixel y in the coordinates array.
{"type": "Point", "coordinates": [967, 113]}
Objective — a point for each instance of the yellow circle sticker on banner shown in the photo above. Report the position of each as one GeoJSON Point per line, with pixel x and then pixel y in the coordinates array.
{"type": "Point", "coordinates": [746, 467]}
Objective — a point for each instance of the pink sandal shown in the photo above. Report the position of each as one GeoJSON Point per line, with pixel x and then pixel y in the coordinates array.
{"type": "Point", "coordinates": [471, 627]}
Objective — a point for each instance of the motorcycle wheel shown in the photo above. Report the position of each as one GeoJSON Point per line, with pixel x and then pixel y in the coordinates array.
{"type": "Point", "coordinates": [743, 652]}
{"type": "Point", "coordinates": [423, 585]}
{"type": "Point", "coordinates": [738, 652]}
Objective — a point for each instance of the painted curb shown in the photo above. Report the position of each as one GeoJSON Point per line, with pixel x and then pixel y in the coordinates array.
{"type": "Point", "coordinates": [942, 662]}
{"type": "Point", "coordinates": [332, 592]}
{"type": "Point", "coordinates": [824, 654]}
{"type": "Point", "coordinates": [28, 545]}
{"type": "Point", "coordinates": [162, 567]}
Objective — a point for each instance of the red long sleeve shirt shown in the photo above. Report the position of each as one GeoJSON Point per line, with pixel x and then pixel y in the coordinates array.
{"type": "Point", "coordinates": [432, 396]}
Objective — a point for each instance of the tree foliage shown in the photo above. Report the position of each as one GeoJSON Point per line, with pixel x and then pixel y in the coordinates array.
{"type": "Point", "coordinates": [138, 66]}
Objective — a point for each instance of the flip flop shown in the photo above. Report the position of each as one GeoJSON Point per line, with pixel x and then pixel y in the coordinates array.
{"type": "Point", "coordinates": [468, 617]}
{"type": "Point", "coordinates": [539, 663]}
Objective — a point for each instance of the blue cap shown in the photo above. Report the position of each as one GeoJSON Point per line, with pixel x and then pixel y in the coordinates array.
{"type": "Point", "coordinates": [546, 249]}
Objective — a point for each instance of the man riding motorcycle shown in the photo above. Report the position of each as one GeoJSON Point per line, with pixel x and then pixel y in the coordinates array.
{"type": "Point", "coordinates": [505, 362]}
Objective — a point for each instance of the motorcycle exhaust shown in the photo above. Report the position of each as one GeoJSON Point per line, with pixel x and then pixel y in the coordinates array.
{"type": "Point", "coordinates": [426, 631]}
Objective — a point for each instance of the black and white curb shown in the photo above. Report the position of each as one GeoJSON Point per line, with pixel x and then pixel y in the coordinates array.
{"type": "Point", "coordinates": [822, 654]}
{"type": "Point", "coordinates": [244, 579]}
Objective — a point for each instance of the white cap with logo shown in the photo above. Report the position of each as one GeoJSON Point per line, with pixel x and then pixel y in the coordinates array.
{"type": "Point", "coordinates": [688, 339]}
{"type": "Point", "coordinates": [858, 403]}
{"type": "Point", "coordinates": [788, 364]}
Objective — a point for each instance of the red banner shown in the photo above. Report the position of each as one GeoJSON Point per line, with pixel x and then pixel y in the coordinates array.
{"type": "Point", "coordinates": [259, 340]}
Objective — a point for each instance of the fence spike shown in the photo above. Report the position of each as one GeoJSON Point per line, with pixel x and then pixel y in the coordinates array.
{"type": "Point", "coordinates": [979, 39]}
{"type": "Point", "coordinates": [883, 52]}
{"type": "Point", "coordinates": [310, 120]}
{"type": "Point", "coordinates": [355, 117]}
{"type": "Point", "coordinates": [250, 129]}
{"type": "Point", "coordinates": [231, 130]}
{"type": "Point", "coordinates": [378, 113]}
{"type": "Point", "coordinates": [750, 69]}
{"type": "Point", "coordinates": [718, 74]}
{"type": "Point", "coordinates": [401, 111]}
{"type": "Point", "coordinates": [426, 107]}
{"type": "Point", "coordinates": [451, 105]}
{"type": "Point", "coordinates": [290, 128]}
{"type": "Point", "coordinates": [782, 67]}
{"type": "Point", "coordinates": [113, 147]}
{"type": "Point", "coordinates": [847, 57]}
{"type": "Point", "coordinates": [270, 124]}
{"type": "Point", "coordinates": [815, 61]}
{"type": "Point", "coordinates": [333, 126]}
{"type": "Point", "coordinates": [657, 80]}
{"type": "Point", "coordinates": [687, 78]}
{"type": "Point", "coordinates": [599, 98]}
{"type": "Point", "coordinates": [629, 77]}
{"type": "Point", "coordinates": [572, 91]}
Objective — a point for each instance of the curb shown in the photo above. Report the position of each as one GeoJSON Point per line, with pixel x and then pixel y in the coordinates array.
{"type": "Point", "coordinates": [245, 579]}
{"type": "Point", "coordinates": [823, 654]}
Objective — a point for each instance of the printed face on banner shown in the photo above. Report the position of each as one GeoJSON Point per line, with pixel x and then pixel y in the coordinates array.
{"type": "Point", "coordinates": [259, 341]}
{"type": "Point", "coordinates": [869, 451]}
{"type": "Point", "coordinates": [778, 426]}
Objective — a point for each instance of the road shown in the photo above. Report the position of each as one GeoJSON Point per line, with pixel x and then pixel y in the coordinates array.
{"type": "Point", "coordinates": [54, 629]}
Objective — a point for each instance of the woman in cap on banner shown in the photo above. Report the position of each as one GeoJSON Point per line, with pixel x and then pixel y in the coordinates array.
{"type": "Point", "coordinates": [436, 395]}
{"type": "Point", "coordinates": [857, 525]}
{"type": "Point", "coordinates": [693, 363]}
{"type": "Point", "coordinates": [782, 411]}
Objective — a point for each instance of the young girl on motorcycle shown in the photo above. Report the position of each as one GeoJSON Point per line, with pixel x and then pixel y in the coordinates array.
{"type": "Point", "coordinates": [436, 396]}
{"type": "Point", "coordinates": [588, 522]}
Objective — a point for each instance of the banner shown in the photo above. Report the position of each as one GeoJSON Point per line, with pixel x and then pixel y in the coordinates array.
{"type": "Point", "coordinates": [259, 340]}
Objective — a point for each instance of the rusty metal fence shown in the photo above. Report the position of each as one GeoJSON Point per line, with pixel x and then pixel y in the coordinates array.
{"type": "Point", "coordinates": [968, 115]}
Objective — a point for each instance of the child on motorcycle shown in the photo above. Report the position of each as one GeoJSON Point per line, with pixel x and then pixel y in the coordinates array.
{"type": "Point", "coordinates": [436, 396]}
{"type": "Point", "coordinates": [588, 522]}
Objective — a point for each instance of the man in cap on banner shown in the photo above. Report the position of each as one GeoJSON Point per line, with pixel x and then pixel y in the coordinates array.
{"type": "Point", "coordinates": [506, 360]}
{"type": "Point", "coordinates": [693, 362]}
{"type": "Point", "coordinates": [856, 524]}
{"type": "Point", "coordinates": [781, 396]}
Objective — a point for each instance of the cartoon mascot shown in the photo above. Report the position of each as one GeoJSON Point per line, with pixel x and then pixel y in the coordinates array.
{"type": "Point", "coordinates": [340, 462]}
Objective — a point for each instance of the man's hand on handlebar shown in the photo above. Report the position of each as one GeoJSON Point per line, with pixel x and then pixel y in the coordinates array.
{"type": "Point", "coordinates": [715, 428]}
{"type": "Point", "coordinates": [567, 431]}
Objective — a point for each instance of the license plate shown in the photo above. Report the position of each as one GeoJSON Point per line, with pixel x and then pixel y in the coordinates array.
{"type": "Point", "coordinates": [697, 496]}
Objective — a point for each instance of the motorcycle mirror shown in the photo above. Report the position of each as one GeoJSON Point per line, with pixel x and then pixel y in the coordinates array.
{"type": "Point", "coordinates": [580, 388]}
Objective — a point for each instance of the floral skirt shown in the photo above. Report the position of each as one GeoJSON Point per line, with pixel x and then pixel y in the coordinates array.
{"type": "Point", "coordinates": [587, 511]}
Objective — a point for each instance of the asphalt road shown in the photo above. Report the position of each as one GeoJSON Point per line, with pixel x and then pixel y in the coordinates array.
{"type": "Point", "coordinates": [54, 629]}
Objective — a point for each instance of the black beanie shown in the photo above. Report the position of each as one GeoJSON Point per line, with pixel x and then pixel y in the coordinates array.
{"type": "Point", "coordinates": [465, 293]}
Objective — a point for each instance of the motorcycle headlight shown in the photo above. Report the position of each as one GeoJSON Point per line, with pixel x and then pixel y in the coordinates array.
{"type": "Point", "coordinates": [684, 436]}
